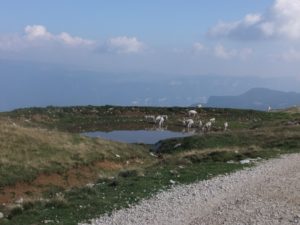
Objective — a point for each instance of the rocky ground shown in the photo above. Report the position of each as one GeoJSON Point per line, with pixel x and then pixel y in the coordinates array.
{"type": "Point", "coordinates": [266, 194]}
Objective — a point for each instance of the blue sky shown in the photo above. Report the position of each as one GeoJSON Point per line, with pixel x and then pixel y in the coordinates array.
{"type": "Point", "coordinates": [197, 37]}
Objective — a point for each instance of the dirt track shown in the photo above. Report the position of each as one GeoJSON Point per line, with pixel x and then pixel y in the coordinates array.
{"type": "Point", "coordinates": [266, 194]}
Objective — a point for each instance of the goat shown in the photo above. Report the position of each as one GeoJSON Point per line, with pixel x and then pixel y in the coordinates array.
{"type": "Point", "coordinates": [212, 120]}
{"type": "Point", "coordinates": [200, 124]}
{"type": "Point", "coordinates": [226, 126]}
{"type": "Point", "coordinates": [192, 113]}
{"type": "Point", "coordinates": [161, 121]}
{"type": "Point", "coordinates": [207, 126]}
{"type": "Point", "coordinates": [165, 116]}
{"type": "Point", "coordinates": [189, 123]}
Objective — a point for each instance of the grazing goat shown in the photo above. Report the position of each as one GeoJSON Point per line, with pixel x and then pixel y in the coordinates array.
{"type": "Point", "coordinates": [225, 126]}
{"type": "Point", "coordinates": [161, 121]}
{"type": "Point", "coordinates": [192, 113]}
{"type": "Point", "coordinates": [157, 119]}
{"type": "Point", "coordinates": [212, 120]}
{"type": "Point", "coordinates": [207, 126]}
{"type": "Point", "coordinates": [200, 124]}
{"type": "Point", "coordinates": [189, 123]}
{"type": "Point", "coordinates": [164, 116]}
{"type": "Point", "coordinates": [269, 109]}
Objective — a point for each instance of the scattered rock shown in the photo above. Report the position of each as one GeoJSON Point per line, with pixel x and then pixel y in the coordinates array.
{"type": "Point", "coordinates": [177, 145]}
{"type": "Point", "coordinates": [152, 154]}
{"type": "Point", "coordinates": [172, 182]}
{"type": "Point", "coordinates": [90, 185]}
{"type": "Point", "coordinates": [243, 197]}
{"type": "Point", "coordinates": [20, 201]}
{"type": "Point", "coordinates": [245, 161]}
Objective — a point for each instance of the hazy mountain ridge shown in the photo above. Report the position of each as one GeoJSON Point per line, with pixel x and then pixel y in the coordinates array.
{"type": "Point", "coordinates": [26, 84]}
{"type": "Point", "coordinates": [256, 98]}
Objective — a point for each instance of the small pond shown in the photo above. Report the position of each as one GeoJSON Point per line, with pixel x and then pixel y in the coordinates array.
{"type": "Point", "coordinates": [137, 136]}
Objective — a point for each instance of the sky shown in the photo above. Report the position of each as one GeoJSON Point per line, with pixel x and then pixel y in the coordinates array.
{"type": "Point", "coordinates": [169, 52]}
{"type": "Point", "coordinates": [196, 37]}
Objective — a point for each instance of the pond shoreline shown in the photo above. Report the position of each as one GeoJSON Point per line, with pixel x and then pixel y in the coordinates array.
{"type": "Point", "coordinates": [137, 136]}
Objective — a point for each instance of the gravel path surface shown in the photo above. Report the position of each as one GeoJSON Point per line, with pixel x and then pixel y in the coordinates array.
{"type": "Point", "coordinates": [266, 194]}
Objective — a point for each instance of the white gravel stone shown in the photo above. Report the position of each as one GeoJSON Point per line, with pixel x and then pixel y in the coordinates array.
{"type": "Point", "coordinates": [266, 194]}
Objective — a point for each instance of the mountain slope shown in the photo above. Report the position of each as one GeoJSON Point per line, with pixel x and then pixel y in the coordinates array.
{"type": "Point", "coordinates": [256, 98]}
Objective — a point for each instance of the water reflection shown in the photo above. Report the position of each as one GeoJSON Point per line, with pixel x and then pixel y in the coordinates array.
{"type": "Point", "coordinates": [148, 136]}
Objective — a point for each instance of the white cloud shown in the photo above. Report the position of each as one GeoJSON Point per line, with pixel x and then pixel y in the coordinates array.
{"type": "Point", "coordinates": [252, 19]}
{"type": "Point", "coordinates": [125, 45]}
{"type": "Point", "coordinates": [39, 32]}
{"type": "Point", "coordinates": [281, 21]}
{"type": "Point", "coordinates": [135, 102]}
{"type": "Point", "coordinates": [245, 53]}
{"type": "Point", "coordinates": [198, 47]}
{"type": "Point", "coordinates": [221, 52]}
{"type": "Point", "coordinates": [287, 14]}
{"type": "Point", "coordinates": [291, 55]}
{"type": "Point", "coordinates": [161, 100]}
{"type": "Point", "coordinates": [11, 43]}
{"type": "Point", "coordinates": [69, 40]}
{"type": "Point", "coordinates": [37, 35]}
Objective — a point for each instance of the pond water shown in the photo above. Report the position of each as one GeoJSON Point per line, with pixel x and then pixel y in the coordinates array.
{"type": "Point", "coordinates": [137, 136]}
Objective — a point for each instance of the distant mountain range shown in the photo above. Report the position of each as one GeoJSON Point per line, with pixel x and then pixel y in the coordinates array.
{"type": "Point", "coordinates": [256, 98]}
{"type": "Point", "coordinates": [27, 84]}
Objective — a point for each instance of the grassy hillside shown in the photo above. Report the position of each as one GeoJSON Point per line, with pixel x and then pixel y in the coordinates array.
{"type": "Point", "coordinates": [79, 119]}
{"type": "Point", "coordinates": [51, 173]}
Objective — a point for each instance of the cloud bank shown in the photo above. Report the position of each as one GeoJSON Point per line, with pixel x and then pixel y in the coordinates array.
{"type": "Point", "coordinates": [281, 21]}
{"type": "Point", "coordinates": [39, 36]}
{"type": "Point", "coordinates": [125, 45]}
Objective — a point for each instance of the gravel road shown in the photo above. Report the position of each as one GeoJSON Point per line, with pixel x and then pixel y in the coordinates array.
{"type": "Point", "coordinates": [266, 194]}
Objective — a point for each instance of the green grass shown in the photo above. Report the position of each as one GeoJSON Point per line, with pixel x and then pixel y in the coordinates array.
{"type": "Point", "coordinates": [81, 204]}
{"type": "Point", "coordinates": [88, 118]}
{"type": "Point", "coordinates": [265, 138]}
{"type": "Point", "coordinates": [50, 143]}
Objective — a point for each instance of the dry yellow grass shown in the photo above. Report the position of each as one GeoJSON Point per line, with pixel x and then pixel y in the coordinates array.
{"type": "Point", "coordinates": [30, 151]}
{"type": "Point", "coordinates": [295, 109]}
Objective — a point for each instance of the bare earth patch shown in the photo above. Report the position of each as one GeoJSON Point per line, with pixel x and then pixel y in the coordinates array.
{"type": "Point", "coordinates": [74, 177]}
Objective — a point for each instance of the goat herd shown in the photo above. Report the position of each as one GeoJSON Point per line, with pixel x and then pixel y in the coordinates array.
{"type": "Point", "coordinates": [190, 122]}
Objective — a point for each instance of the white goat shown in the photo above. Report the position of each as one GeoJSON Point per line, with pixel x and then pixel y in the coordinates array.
{"type": "Point", "coordinates": [161, 122]}
{"type": "Point", "coordinates": [157, 119]}
{"type": "Point", "coordinates": [200, 124]}
{"type": "Point", "coordinates": [226, 126]}
{"type": "Point", "coordinates": [207, 126]}
{"type": "Point", "coordinates": [192, 113]}
{"type": "Point", "coordinates": [212, 120]}
{"type": "Point", "coordinates": [165, 116]}
{"type": "Point", "coordinates": [189, 123]}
